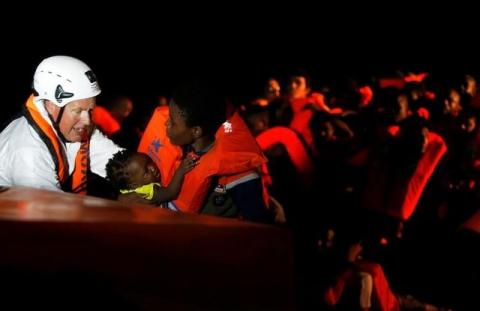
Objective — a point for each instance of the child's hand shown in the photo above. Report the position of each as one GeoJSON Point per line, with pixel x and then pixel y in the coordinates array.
{"type": "Point", "coordinates": [188, 164]}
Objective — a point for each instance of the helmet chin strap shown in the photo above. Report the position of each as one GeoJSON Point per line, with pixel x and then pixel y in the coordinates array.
{"type": "Point", "coordinates": [56, 124]}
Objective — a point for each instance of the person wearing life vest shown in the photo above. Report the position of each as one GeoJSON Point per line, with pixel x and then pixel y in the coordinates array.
{"type": "Point", "coordinates": [349, 276]}
{"type": "Point", "coordinates": [304, 103]}
{"type": "Point", "coordinates": [399, 172]}
{"type": "Point", "coordinates": [53, 144]}
{"type": "Point", "coordinates": [110, 118]}
{"type": "Point", "coordinates": [226, 182]}
{"type": "Point", "coordinates": [300, 93]}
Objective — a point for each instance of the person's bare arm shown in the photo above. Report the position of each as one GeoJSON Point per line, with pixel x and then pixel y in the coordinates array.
{"type": "Point", "coordinates": [162, 195]}
{"type": "Point", "coordinates": [342, 125]}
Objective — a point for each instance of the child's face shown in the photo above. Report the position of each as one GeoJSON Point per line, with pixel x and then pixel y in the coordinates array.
{"type": "Point", "coordinates": [142, 170]}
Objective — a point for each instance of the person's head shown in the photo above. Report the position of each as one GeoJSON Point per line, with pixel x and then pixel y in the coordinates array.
{"type": "Point", "coordinates": [322, 128]}
{"type": "Point", "coordinates": [129, 170]}
{"type": "Point", "coordinates": [68, 88]}
{"type": "Point", "coordinates": [453, 104]}
{"type": "Point", "coordinates": [120, 107]}
{"type": "Point", "coordinates": [469, 121]}
{"type": "Point", "coordinates": [396, 103]}
{"type": "Point", "coordinates": [256, 118]}
{"type": "Point", "coordinates": [162, 101]}
{"type": "Point", "coordinates": [402, 108]}
{"type": "Point", "coordinates": [299, 85]}
{"type": "Point", "coordinates": [413, 139]}
{"type": "Point", "coordinates": [470, 85]}
{"type": "Point", "coordinates": [272, 89]}
{"type": "Point", "coordinates": [415, 90]}
{"type": "Point", "coordinates": [196, 110]}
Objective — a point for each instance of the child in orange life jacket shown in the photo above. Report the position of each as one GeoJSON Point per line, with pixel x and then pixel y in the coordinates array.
{"type": "Point", "coordinates": [131, 171]}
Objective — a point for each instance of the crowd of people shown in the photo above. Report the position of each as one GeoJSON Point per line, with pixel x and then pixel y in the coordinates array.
{"type": "Point", "coordinates": [376, 168]}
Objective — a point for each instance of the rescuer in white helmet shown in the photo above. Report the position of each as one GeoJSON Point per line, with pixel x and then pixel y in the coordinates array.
{"type": "Point", "coordinates": [53, 144]}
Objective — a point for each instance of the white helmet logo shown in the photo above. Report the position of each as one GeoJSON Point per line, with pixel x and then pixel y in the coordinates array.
{"type": "Point", "coordinates": [61, 94]}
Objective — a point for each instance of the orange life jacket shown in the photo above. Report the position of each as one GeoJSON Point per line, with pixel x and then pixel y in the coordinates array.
{"type": "Point", "coordinates": [473, 223]}
{"type": "Point", "coordinates": [436, 148]}
{"type": "Point", "coordinates": [316, 99]}
{"type": "Point", "coordinates": [296, 150]}
{"type": "Point", "coordinates": [51, 140]}
{"type": "Point", "coordinates": [104, 120]}
{"type": "Point", "coordinates": [384, 296]}
{"type": "Point", "coordinates": [301, 124]}
{"type": "Point", "coordinates": [366, 95]}
{"type": "Point", "coordinates": [404, 197]}
{"type": "Point", "coordinates": [234, 156]}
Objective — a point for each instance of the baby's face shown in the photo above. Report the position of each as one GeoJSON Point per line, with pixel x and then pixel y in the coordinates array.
{"type": "Point", "coordinates": [142, 171]}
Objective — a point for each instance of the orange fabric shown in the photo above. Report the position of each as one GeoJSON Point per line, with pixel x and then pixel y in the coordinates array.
{"type": "Point", "coordinates": [266, 182]}
{"type": "Point", "coordinates": [296, 150]}
{"type": "Point", "coordinates": [398, 198]}
{"type": "Point", "coordinates": [436, 148]}
{"type": "Point", "coordinates": [301, 124]}
{"type": "Point", "coordinates": [234, 154]}
{"type": "Point", "coordinates": [156, 144]}
{"type": "Point", "coordinates": [316, 99]}
{"type": "Point", "coordinates": [102, 117]}
{"type": "Point", "coordinates": [44, 129]}
{"type": "Point", "coordinates": [399, 83]}
{"type": "Point", "coordinates": [301, 116]}
{"type": "Point", "coordinates": [336, 111]}
{"type": "Point", "coordinates": [473, 223]}
{"type": "Point", "coordinates": [262, 102]}
{"type": "Point", "coordinates": [430, 95]}
{"type": "Point", "coordinates": [412, 77]}
{"type": "Point", "coordinates": [266, 177]}
{"type": "Point", "coordinates": [383, 296]}
{"type": "Point", "coordinates": [366, 95]}
{"type": "Point", "coordinates": [393, 130]}
{"type": "Point", "coordinates": [334, 292]}
{"type": "Point", "coordinates": [297, 104]}
{"type": "Point", "coordinates": [79, 176]}
{"type": "Point", "coordinates": [382, 293]}
{"type": "Point", "coordinates": [359, 158]}
{"type": "Point", "coordinates": [424, 113]}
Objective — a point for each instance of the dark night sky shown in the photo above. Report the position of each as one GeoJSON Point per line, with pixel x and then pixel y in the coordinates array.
{"type": "Point", "coordinates": [144, 61]}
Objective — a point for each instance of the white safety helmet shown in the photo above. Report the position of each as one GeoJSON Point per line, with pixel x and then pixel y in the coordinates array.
{"type": "Point", "coordinates": [62, 79]}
